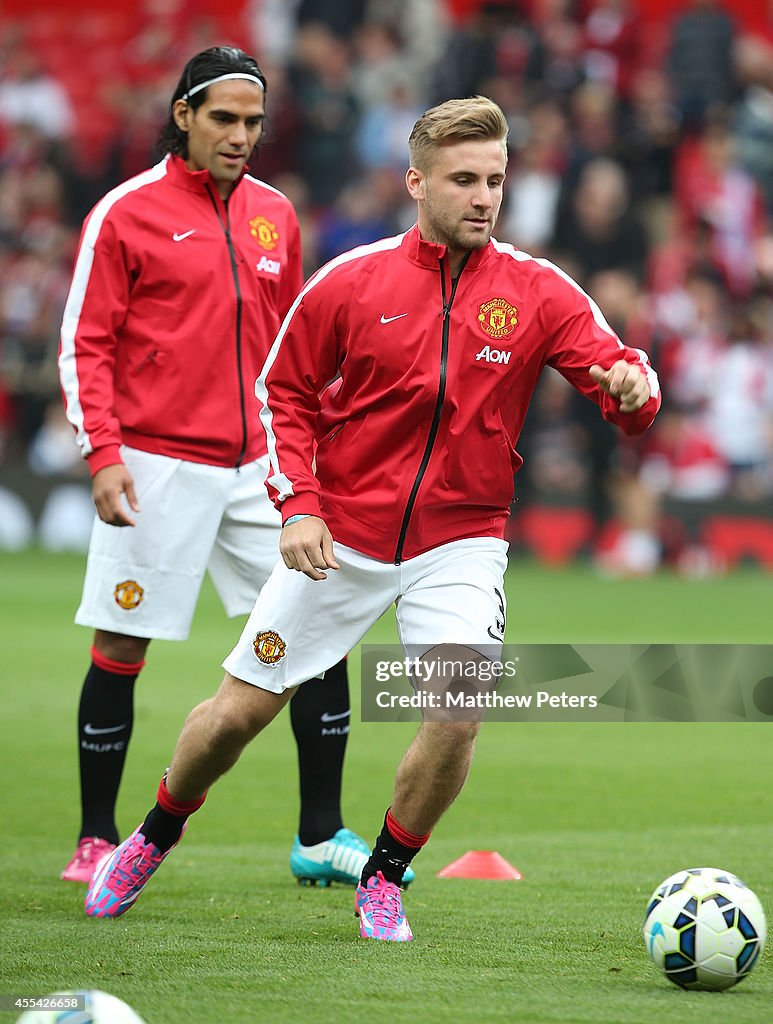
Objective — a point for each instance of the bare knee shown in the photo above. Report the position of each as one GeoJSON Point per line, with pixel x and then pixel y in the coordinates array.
{"type": "Point", "coordinates": [238, 712]}
{"type": "Point", "coordinates": [451, 742]}
{"type": "Point", "coordinates": [118, 647]}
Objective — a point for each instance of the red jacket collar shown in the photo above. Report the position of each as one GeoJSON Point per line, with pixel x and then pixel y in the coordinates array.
{"type": "Point", "coordinates": [193, 181]}
{"type": "Point", "coordinates": [428, 254]}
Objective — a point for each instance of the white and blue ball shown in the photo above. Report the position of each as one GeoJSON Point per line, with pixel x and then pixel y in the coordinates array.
{"type": "Point", "coordinates": [704, 928]}
{"type": "Point", "coordinates": [99, 1008]}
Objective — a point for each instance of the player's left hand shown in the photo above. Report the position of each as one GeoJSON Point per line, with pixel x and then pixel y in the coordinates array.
{"type": "Point", "coordinates": [626, 381]}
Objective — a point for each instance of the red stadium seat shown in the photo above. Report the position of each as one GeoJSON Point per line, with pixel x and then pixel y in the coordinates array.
{"type": "Point", "coordinates": [554, 535]}
{"type": "Point", "coordinates": [734, 538]}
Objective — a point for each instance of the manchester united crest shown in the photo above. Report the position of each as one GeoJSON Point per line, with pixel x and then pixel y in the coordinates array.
{"type": "Point", "coordinates": [264, 232]}
{"type": "Point", "coordinates": [128, 595]}
{"type": "Point", "coordinates": [497, 318]}
{"type": "Point", "coordinates": [269, 647]}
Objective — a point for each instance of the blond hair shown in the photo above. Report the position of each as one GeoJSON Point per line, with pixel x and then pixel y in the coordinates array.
{"type": "Point", "coordinates": [455, 121]}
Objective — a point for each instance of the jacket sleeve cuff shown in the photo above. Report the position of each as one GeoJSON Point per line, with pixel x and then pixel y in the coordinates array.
{"type": "Point", "coordinates": [639, 421]}
{"type": "Point", "coordinates": [300, 504]}
{"type": "Point", "coordinates": [107, 456]}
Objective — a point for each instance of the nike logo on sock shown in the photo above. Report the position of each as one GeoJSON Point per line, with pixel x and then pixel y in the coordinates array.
{"type": "Point", "coordinates": [89, 729]}
{"type": "Point", "coordinates": [333, 718]}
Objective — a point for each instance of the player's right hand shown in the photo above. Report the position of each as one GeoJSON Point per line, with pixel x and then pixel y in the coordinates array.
{"type": "Point", "coordinates": [307, 547]}
{"type": "Point", "coordinates": [107, 488]}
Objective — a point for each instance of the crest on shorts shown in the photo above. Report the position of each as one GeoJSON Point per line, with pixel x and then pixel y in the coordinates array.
{"type": "Point", "coordinates": [128, 595]}
{"type": "Point", "coordinates": [269, 647]}
{"type": "Point", "coordinates": [264, 232]}
{"type": "Point", "coordinates": [497, 318]}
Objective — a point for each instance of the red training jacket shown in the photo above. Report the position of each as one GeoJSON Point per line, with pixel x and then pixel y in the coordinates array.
{"type": "Point", "coordinates": [175, 299]}
{"type": "Point", "coordinates": [416, 447]}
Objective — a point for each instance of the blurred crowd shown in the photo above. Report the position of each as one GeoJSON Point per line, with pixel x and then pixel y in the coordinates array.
{"type": "Point", "coordinates": [641, 163]}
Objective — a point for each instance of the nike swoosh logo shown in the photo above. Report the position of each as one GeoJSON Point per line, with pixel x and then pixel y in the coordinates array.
{"type": "Point", "coordinates": [91, 731]}
{"type": "Point", "coordinates": [657, 930]}
{"type": "Point", "coordinates": [389, 319]}
{"type": "Point", "coordinates": [334, 718]}
{"type": "Point", "coordinates": [179, 237]}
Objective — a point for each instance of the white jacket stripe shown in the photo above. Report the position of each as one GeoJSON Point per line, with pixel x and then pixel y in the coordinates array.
{"type": "Point", "coordinates": [68, 370]}
{"type": "Point", "coordinates": [598, 316]}
{"type": "Point", "coordinates": [281, 483]}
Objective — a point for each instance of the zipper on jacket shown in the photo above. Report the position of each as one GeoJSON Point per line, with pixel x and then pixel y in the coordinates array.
{"type": "Point", "coordinates": [226, 226]}
{"type": "Point", "coordinates": [441, 392]}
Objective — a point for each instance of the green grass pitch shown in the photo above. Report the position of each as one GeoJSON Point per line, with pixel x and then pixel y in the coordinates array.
{"type": "Point", "coordinates": [594, 816]}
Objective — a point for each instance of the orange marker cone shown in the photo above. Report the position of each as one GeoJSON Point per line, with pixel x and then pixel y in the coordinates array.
{"type": "Point", "coordinates": [481, 864]}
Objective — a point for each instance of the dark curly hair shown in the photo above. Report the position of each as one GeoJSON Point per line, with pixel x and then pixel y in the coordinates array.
{"type": "Point", "coordinates": [211, 63]}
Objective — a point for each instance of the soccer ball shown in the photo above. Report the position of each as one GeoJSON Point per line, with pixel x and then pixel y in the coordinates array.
{"type": "Point", "coordinates": [101, 1008]}
{"type": "Point", "coordinates": [704, 929]}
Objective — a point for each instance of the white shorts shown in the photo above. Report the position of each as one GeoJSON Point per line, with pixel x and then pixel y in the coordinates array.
{"type": "Point", "coordinates": [300, 627]}
{"type": "Point", "coordinates": [144, 580]}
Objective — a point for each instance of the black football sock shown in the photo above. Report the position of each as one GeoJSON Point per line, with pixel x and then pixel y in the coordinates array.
{"type": "Point", "coordinates": [394, 850]}
{"type": "Point", "coordinates": [105, 719]}
{"type": "Point", "coordinates": [320, 713]}
{"type": "Point", "coordinates": [164, 823]}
